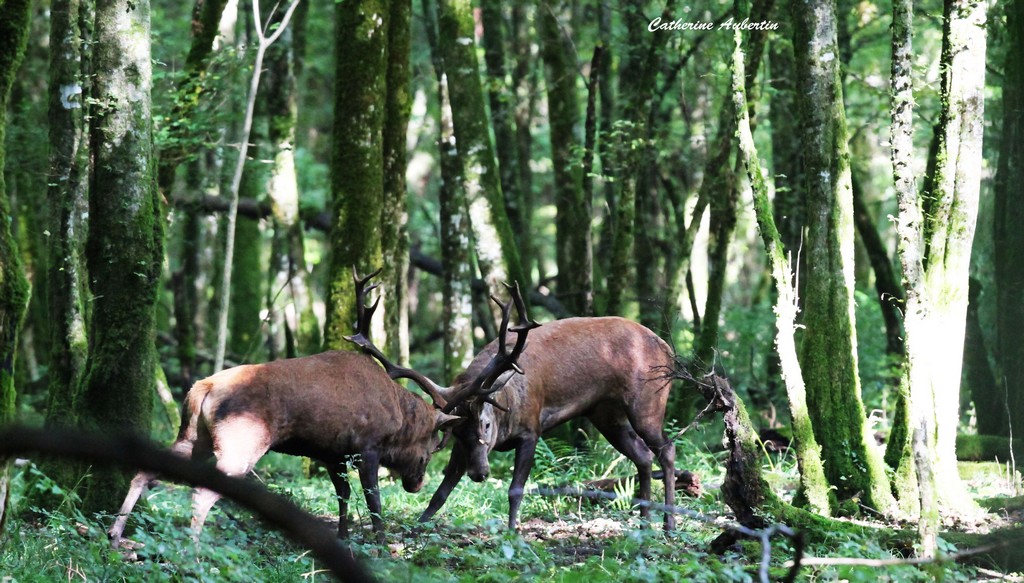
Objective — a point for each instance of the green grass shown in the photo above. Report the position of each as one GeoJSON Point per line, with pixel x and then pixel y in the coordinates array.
{"type": "Point", "coordinates": [561, 538]}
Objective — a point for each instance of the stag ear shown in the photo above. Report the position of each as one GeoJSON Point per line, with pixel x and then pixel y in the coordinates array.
{"type": "Point", "coordinates": [444, 421]}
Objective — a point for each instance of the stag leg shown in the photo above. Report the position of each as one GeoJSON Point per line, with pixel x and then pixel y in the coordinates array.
{"type": "Point", "coordinates": [453, 473]}
{"type": "Point", "coordinates": [620, 434]}
{"type": "Point", "coordinates": [368, 467]}
{"type": "Point", "coordinates": [140, 483]}
{"type": "Point", "coordinates": [666, 452]}
{"type": "Point", "coordinates": [339, 477]}
{"type": "Point", "coordinates": [238, 444]}
{"type": "Point", "coordinates": [525, 452]}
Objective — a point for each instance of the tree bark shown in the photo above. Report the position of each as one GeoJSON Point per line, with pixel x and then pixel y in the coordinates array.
{"type": "Point", "coordinates": [828, 357]}
{"type": "Point", "coordinates": [574, 209]}
{"type": "Point", "coordinates": [124, 251]}
{"type": "Point", "coordinates": [394, 217]}
{"type": "Point", "coordinates": [936, 232]}
{"type": "Point", "coordinates": [456, 267]}
{"type": "Point", "coordinates": [813, 485]}
{"type": "Point", "coordinates": [357, 165]}
{"type": "Point", "coordinates": [496, 252]}
{"type": "Point", "coordinates": [14, 287]}
{"type": "Point", "coordinates": [294, 327]}
{"type": "Point", "coordinates": [1009, 239]}
{"type": "Point", "coordinates": [68, 198]}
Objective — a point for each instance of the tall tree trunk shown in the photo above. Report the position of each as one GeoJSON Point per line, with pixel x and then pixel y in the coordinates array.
{"type": "Point", "coordinates": [294, 326]}
{"type": "Point", "coordinates": [936, 235]}
{"type": "Point", "coordinates": [574, 210]}
{"type": "Point", "coordinates": [68, 197]}
{"type": "Point", "coordinates": [357, 164]}
{"type": "Point", "coordinates": [813, 485]}
{"type": "Point", "coordinates": [14, 287]}
{"type": "Point", "coordinates": [503, 120]}
{"type": "Point", "coordinates": [124, 251]}
{"type": "Point", "coordinates": [394, 234]}
{"type": "Point", "coordinates": [524, 82]}
{"type": "Point", "coordinates": [457, 295]}
{"type": "Point", "coordinates": [1009, 241]}
{"type": "Point", "coordinates": [829, 358]}
{"type": "Point", "coordinates": [496, 252]}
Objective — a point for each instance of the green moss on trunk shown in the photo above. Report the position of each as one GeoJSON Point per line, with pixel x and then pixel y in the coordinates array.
{"type": "Point", "coordinates": [14, 287]}
{"type": "Point", "coordinates": [496, 251]}
{"type": "Point", "coordinates": [828, 353]}
{"type": "Point", "coordinates": [394, 217]}
{"type": "Point", "coordinates": [357, 164]}
{"type": "Point", "coordinates": [125, 244]}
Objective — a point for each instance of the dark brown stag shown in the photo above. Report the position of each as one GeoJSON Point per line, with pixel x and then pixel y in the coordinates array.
{"type": "Point", "coordinates": [612, 371]}
{"type": "Point", "coordinates": [334, 407]}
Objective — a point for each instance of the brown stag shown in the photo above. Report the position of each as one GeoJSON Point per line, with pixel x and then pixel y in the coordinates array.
{"type": "Point", "coordinates": [612, 371]}
{"type": "Point", "coordinates": [334, 407]}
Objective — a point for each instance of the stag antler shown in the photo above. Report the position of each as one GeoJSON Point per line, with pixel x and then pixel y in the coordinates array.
{"type": "Point", "coordinates": [483, 385]}
{"type": "Point", "coordinates": [486, 383]}
{"type": "Point", "coordinates": [362, 339]}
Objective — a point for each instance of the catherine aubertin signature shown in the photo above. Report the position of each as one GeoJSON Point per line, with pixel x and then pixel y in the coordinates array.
{"type": "Point", "coordinates": [659, 25]}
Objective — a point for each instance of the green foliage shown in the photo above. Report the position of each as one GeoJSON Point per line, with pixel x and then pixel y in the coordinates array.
{"type": "Point", "coordinates": [468, 541]}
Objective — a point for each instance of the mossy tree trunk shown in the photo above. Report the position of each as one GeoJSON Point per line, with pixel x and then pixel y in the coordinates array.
{"type": "Point", "coordinates": [814, 488]}
{"type": "Point", "coordinates": [1009, 241]}
{"type": "Point", "coordinates": [14, 287]}
{"type": "Point", "coordinates": [936, 232]}
{"type": "Point", "coordinates": [524, 82]}
{"type": "Point", "coordinates": [68, 198]}
{"type": "Point", "coordinates": [496, 253]}
{"type": "Point", "coordinates": [294, 326]}
{"type": "Point", "coordinates": [457, 297]}
{"type": "Point", "coordinates": [124, 251]}
{"type": "Point", "coordinates": [828, 354]}
{"type": "Point", "coordinates": [503, 120]}
{"type": "Point", "coordinates": [574, 248]}
{"type": "Point", "coordinates": [394, 217]}
{"type": "Point", "coordinates": [357, 161]}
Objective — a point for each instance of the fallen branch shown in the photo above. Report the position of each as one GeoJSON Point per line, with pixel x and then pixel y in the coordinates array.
{"type": "Point", "coordinates": [764, 535]}
{"type": "Point", "coordinates": [138, 453]}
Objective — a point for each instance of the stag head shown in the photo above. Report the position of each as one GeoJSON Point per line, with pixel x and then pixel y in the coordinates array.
{"type": "Point", "coordinates": [476, 389]}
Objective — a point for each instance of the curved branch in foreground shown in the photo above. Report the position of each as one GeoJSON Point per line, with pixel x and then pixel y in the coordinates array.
{"type": "Point", "coordinates": [138, 453]}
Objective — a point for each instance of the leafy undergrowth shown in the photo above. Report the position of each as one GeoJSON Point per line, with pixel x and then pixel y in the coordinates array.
{"type": "Point", "coordinates": [561, 538]}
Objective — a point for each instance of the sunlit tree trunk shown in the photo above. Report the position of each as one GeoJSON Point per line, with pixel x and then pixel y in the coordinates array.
{"type": "Point", "coordinates": [294, 326]}
{"type": "Point", "coordinates": [357, 164]}
{"type": "Point", "coordinates": [936, 232]}
{"type": "Point", "coordinates": [457, 297]}
{"type": "Point", "coordinates": [1009, 244]}
{"type": "Point", "coordinates": [829, 351]}
{"type": "Point", "coordinates": [572, 222]}
{"type": "Point", "coordinates": [14, 287]}
{"type": "Point", "coordinates": [124, 251]}
{"type": "Point", "coordinates": [496, 252]}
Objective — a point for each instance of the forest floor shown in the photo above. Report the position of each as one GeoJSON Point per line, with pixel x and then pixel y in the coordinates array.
{"type": "Point", "coordinates": [560, 538]}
